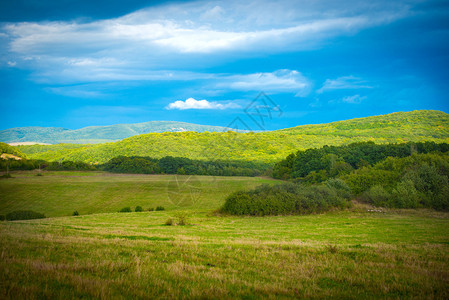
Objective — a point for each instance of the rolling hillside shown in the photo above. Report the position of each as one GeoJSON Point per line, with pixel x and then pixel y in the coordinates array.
{"type": "Point", "coordinates": [270, 146]}
{"type": "Point", "coordinates": [7, 151]}
{"type": "Point", "coordinates": [97, 134]}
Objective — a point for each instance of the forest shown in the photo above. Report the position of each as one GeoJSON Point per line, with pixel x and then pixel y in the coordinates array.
{"type": "Point", "coordinates": [394, 175]}
{"type": "Point", "coordinates": [330, 161]}
{"type": "Point", "coordinates": [183, 166]}
{"type": "Point", "coordinates": [264, 147]}
{"type": "Point", "coordinates": [145, 165]}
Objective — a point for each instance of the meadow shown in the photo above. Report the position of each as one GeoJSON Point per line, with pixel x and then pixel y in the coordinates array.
{"type": "Point", "coordinates": [354, 253]}
{"type": "Point", "coordinates": [60, 193]}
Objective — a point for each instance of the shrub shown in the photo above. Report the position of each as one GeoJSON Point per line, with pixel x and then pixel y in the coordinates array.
{"type": "Point", "coordinates": [169, 222]}
{"type": "Point", "coordinates": [75, 213]}
{"type": "Point", "coordinates": [126, 209]}
{"type": "Point", "coordinates": [287, 198]}
{"type": "Point", "coordinates": [7, 175]}
{"type": "Point", "coordinates": [405, 195]}
{"type": "Point", "coordinates": [377, 196]}
{"type": "Point", "coordinates": [138, 209]}
{"type": "Point", "coordinates": [340, 186]}
{"type": "Point", "coordinates": [182, 219]}
{"type": "Point", "coordinates": [39, 174]}
{"type": "Point", "coordinates": [159, 208]}
{"type": "Point", "coordinates": [2, 218]}
{"type": "Point", "coordinates": [151, 209]}
{"type": "Point", "coordinates": [441, 200]}
{"type": "Point", "coordinates": [24, 215]}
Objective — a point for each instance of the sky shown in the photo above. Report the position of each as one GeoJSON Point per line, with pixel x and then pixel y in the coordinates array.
{"type": "Point", "coordinates": [264, 64]}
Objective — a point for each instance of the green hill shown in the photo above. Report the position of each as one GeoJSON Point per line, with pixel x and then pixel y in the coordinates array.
{"type": "Point", "coordinates": [7, 151]}
{"type": "Point", "coordinates": [270, 146]}
{"type": "Point", "coordinates": [97, 134]}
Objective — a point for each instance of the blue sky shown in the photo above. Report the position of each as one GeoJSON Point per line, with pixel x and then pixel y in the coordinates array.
{"type": "Point", "coordinates": [79, 63]}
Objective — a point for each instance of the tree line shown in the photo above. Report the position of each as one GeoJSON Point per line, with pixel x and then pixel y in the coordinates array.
{"type": "Point", "coordinates": [319, 164]}
{"type": "Point", "coordinates": [146, 165]}
{"type": "Point", "coordinates": [183, 166]}
{"type": "Point", "coordinates": [411, 175]}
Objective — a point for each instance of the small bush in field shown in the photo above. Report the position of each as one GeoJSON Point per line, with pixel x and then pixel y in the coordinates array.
{"type": "Point", "coordinates": [159, 208]}
{"type": "Point", "coordinates": [284, 199]}
{"type": "Point", "coordinates": [169, 222]}
{"type": "Point", "coordinates": [126, 209]}
{"type": "Point", "coordinates": [151, 209]}
{"type": "Point", "coordinates": [24, 215]}
{"type": "Point", "coordinates": [138, 209]}
{"type": "Point", "coordinates": [182, 219]}
{"type": "Point", "coordinates": [75, 213]}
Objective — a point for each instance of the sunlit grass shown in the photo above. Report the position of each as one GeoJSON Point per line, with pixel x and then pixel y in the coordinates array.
{"type": "Point", "coordinates": [61, 193]}
{"type": "Point", "coordinates": [341, 254]}
{"type": "Point", "coordinates": [344, 254]}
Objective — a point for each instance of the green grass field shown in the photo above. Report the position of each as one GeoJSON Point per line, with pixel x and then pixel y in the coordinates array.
{"type": "Point", "coordinates": [341, 254]}
{"type": "Point", "coordinates": [60, 193]}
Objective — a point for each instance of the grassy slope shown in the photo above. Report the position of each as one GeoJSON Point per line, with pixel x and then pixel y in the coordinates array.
{"type": "Point", "coordinates": [347, 254]}
{"type": "Point", "coordinates": [61, 193]}
{"type": "Point", "coordinates": [265, 146]}
{"type": "Point", "coordinates": [134, 256]}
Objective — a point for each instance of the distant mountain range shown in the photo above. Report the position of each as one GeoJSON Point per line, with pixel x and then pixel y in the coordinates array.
{"type": "Point", "coordinates": [98, 134]}
{"type": "Point", "coordinates": [266, 147]}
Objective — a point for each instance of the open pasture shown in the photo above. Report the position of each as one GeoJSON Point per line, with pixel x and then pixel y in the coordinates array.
{"type": "Point", "coordinates": [340, 254]}
{"type": "Point", "coordinates": [61, 193]}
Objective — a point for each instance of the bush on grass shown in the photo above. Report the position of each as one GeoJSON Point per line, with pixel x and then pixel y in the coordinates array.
{"type": "Point", "coordinates": [182, 219]}
{"type": "Point", "coordinates": [126, 209]}
{"type": "Point", "coordinates": [283, 199]}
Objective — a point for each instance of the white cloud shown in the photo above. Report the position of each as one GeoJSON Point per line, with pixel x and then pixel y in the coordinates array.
{"type": "Point", "coordinates": [356, 99]}
{"type": "Point", "coordinates": [300, 37]}
{"type": "Point", "coordinates": [12, 63]}
{"type": "Point", "coordinates": [200, 104]}
{"type": "Point", "coordinates": [278, 81]}
{"type": "Point", "coordinates": [173, 35]}
{"type": "Point", "coordinates": [344, 83]}
{"type": "Point", "coordinates": [185, 36]}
